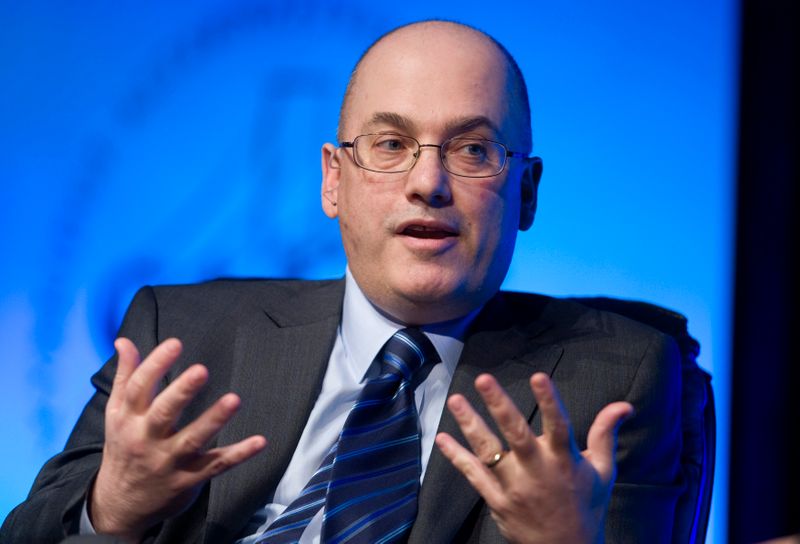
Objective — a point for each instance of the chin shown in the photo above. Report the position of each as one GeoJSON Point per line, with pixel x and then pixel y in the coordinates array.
{"type": "Point", "coordinates": [423, 302]}
{"type": "Point", "coordinates": [429, 284]}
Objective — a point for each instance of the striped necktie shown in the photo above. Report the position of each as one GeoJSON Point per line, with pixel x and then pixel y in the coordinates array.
{"type": "Point", "coordinates": [369, 480]}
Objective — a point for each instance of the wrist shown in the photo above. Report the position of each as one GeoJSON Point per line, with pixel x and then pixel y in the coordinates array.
{"type": "Point", "coordinates": [106, 515]}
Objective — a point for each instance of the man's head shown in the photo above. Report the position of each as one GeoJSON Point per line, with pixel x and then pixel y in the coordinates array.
{"type": "Point", "coordinates": [426, 245]}
{"type": "Point", "coordinates": [518, 90]}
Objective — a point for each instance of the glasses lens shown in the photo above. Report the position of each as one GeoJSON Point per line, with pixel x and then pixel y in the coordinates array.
{"type": "Point", "coordinates": [473, 157]}
{"type": "Point", "coordinates": [385, 152]}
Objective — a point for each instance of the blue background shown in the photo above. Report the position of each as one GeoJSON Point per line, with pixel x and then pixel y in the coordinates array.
{"type": "Point", "coordinates": [143, 143]}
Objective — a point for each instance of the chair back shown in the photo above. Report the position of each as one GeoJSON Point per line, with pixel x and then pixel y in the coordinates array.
{"type": "Point", "coordinates": [698, 416]}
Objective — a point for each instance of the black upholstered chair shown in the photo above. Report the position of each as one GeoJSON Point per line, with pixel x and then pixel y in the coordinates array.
{"type": "Point", "coordinates": [699, 424]}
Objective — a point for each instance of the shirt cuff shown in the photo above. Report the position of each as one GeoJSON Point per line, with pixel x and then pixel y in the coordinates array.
{"type": "Point", "coordinates": [85, 527]}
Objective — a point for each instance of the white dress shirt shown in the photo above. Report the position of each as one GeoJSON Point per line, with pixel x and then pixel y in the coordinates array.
{"type": "Point", "coordinates": [362, 333]}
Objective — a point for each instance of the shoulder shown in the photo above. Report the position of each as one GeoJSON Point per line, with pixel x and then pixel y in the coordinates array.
{"type": "Point", "coordinates": [577, 320]}
{"type": "Point", "coordinates": [235, 293]}
{"type": "Point", "coordinates": [221, 305]}
{"type": "Point", "coordinates": [605, 355]}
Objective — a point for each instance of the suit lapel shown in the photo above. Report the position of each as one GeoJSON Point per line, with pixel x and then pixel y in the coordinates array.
{"type": "Point", "coordinates": [278, 372]}
{"type": "Point", "coordinates": [279, 363]}
{"type": "Point", "coordinates": [511, 354]}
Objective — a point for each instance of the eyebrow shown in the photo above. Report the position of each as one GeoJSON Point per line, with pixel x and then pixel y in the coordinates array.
{"type": "Point", "coordinates": [465, 124]}
{"type": "Point", "coordinates": [455, 126]}
{"type": "Point", "coordinates": [390, 118]}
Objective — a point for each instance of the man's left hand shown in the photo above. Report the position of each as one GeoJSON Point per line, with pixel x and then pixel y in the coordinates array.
{"type": "Point", "coordinates": [542, 489]}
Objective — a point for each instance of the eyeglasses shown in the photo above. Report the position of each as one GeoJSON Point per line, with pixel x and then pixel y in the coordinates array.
{"type": "Point", "coordinates": [394, 153]}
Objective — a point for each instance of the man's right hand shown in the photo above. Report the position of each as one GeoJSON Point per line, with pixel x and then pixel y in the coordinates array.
{"type": "Point", "coordinates": [150, 470]}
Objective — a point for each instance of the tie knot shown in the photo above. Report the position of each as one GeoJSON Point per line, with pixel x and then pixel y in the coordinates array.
{"type": "Point", "coordinates": [406, 352]}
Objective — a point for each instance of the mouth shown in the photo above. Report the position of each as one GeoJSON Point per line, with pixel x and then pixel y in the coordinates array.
{"type": "Point", "coordinates": [427, 230]}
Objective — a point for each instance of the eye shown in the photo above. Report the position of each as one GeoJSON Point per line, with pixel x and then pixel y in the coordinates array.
{"type": "Point", "coordinates": [475, 149]}
{"type": "Point", "coordinates": [468, 149]}
{"type": "Point", "coordinates": [390, 143]}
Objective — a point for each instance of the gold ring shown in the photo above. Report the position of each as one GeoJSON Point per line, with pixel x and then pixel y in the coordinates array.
{"type": "Point", "coordinates": [496, 458]}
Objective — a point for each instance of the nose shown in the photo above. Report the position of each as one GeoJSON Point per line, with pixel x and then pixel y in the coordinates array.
{"type": "Point", "coordinates": [428, 181]}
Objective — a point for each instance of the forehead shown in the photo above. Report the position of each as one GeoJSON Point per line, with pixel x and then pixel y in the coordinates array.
{"type": "Point", "coordinates": [433, 76]}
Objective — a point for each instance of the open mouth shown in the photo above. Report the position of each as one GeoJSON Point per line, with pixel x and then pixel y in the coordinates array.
{"type": "Point", "coordinates": [428, 232]}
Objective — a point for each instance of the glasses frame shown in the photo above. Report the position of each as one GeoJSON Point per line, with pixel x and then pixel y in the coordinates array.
{"type": "Point", "coordinates": [506, 155]}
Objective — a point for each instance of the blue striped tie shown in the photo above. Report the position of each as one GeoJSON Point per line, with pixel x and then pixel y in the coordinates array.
{"type": "Point", "coordinates": [288, 527]}
{"type": "Point", "coordinates": [372, 495]}
{"type": "Point", "coordinates": [371, 475]}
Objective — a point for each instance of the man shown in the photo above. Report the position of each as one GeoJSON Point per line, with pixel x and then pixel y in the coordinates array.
{"type": "Point", "coordinates": [430, 182]}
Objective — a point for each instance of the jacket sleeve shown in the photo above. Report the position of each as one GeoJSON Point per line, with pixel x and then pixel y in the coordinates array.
{"type": "Point", "coordinates": [52, 509]}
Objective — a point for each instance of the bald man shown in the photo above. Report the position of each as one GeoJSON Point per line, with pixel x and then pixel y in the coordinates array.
{"type": "Point", "coordinates": [430, 181]}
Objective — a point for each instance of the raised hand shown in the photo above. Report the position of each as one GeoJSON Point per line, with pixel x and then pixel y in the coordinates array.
{"type": "Point", "coordinates": [542, 489]}
{"type": "Point", "coordinates": [150, 470]}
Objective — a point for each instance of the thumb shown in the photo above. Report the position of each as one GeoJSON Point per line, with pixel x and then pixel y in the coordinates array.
{"type": "Point", "coordinates": [602, 439]}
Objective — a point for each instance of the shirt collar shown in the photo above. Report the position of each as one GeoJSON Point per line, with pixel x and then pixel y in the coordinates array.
{"type": "Point", "coordinates": [365, 330]}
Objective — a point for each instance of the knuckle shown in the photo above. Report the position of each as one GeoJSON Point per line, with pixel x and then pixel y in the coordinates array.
{"type": "Point", "coordinates": [133, 389]}
{"type": "Point", "coordinates": [177, 485]}
{"type": "Point", "coordinates": [163, 465]}
{"type": "Point", "coordinates": [138, 448]}
{"type": "Point", "coordinates": [519, 431]}
{"type": "Point", "coordinates": [218, 417]}
{"type": "Point", "coordinates": [560, 427]}
{"type": "Point", "coordinates": [190, 443]}
{"type": "Point", "coordinates": [484, 445]}
{"type": "Point", "coordinates": [219, 464]}
{"type": "Point", "coordinates": [468, 421]}
{"type": "Point", "coordinates": [469, 472]}
{"type": "Point", "coordinates": [160, 414]}
{"type": "Point", "coordinates": [129, 442]}
{"type": "Point", "coordinates": [464, 466]}
{"type": "Point", "coordinates": [502, 505]}
{"type": "Point", "coordinates": [463, 417]}
{"type": "Point", "coordinates": [515, 495]}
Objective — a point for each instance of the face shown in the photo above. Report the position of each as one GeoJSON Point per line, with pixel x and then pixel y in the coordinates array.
{"type": "Point", "coordinates": [425, 245]}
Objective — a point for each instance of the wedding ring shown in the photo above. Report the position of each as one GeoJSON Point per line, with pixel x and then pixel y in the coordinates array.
{"type": "Point", "coordinates": [495, 459]}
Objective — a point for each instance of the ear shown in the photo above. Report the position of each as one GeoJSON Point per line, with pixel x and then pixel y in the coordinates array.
{"type": "Point", "coordinates": [529, 188]}
{"type": "Point", "coordinates": [331, 175]}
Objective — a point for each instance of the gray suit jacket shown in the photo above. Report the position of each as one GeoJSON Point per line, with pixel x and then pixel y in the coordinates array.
{"type": "Point", "coordinates": [269, 341]}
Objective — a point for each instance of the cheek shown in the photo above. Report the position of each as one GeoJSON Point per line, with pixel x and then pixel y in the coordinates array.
{"type": "Point", "coordinates": [362, 217]}
{"type": "Point", "coordinates": [355, 229]}
{"type": "Point", "coordinates": [496, 227]}
{"type": "Point", "coordinates": [493, 223]}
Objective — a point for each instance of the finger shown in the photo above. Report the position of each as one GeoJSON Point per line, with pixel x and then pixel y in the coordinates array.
{"type": "Point", "coordinates": [480, 437]}
{"type": "Point", "coordinates": [218, 460]}
{"type": "Point", "coordinates": [510, 421]}
{"type": "Point", "coordinates": [473, 469]}
{"type": "Point", "coordinates": [141, 387]}
{"type": "Point", "coordinates": [602, 439]}
{"type": "Point", "coordinates": [127, 361]}
{"type": "Point", "coordinates": [555, 423]}
{"type": "Point", "coordinates": [193, 438]}
{"type": "Point", "coordinates": [168, 405]}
